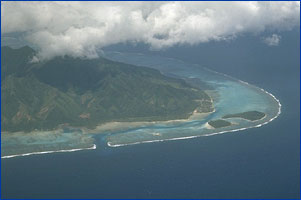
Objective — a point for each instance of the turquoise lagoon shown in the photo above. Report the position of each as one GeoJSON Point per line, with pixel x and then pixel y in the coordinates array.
{"type": "Point", "coordinates": [229, 95]}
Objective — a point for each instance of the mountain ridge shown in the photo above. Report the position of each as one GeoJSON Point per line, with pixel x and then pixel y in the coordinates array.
{"type": "Point", "coordinates": [84, 93]}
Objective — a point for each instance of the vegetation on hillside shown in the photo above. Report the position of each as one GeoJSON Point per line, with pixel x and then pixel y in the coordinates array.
{"type": "Point", "coordinates": [84, 93]}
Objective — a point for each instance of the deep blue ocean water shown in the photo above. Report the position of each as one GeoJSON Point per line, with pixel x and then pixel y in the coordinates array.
{"type": "Point", "coordinates": [255, 163]}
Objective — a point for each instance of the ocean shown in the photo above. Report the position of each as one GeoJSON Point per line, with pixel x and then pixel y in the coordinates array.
{"type": "Point", "coordinates": [255, 163]}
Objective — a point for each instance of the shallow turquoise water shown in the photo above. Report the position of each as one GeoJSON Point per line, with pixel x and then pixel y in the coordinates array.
{"type": "Point", "coordinates": [234, 96]}
{"type": "Point", "coordinates": [258, 163]}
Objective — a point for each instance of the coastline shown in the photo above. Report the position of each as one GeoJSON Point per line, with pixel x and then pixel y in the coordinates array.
{"type": "Point", "coordinates": [208, 126]}
{"type": "Point", "coordinates": [116, 126]}
{"type": "Point", "coordinates": [216, 133]}
{"type": "Point", "coordinates": [45, 152]}
{"type": "Point", "coordinates": [119, 126]}
{"type": "Point", "coordinates": [100, 129]}
{"type": "Point", "coordinates": [248, 119]}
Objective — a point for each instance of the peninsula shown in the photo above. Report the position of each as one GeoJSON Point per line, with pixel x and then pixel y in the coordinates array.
{"type": "Point", "coordinates": [85, 93]}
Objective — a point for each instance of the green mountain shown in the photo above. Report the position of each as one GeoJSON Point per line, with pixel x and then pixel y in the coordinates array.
{"type": "Point", "coordinates": [83, 93]}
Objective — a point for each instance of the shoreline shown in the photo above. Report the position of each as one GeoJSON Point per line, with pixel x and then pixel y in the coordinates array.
{"type": "Point", "coordinates": [101, 129]}
{"type": "Point", "coordinates": [120, 126]}
{"type": "Point", "coordinates": [247, 119]}
{"type": "Point", "coordinates": [208, 126]}
{"type": "Point", "coordinates": [46, 152]}
{"type": "Point", "coordinates": [108, 126]}
{"type": "Point", "coordinates": [216, 133]}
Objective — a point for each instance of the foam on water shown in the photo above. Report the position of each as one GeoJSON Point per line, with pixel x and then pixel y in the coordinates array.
{"type": "Point", "coordinates": [211, 134]}
{"type": "Point", "coordinates": [46, 152]}
{"type": "Point", "coordinates": [225, 86]}
{"type": "Point", "coordinates": [246, 90]}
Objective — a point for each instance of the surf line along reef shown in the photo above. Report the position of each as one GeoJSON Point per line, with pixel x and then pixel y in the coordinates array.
{"type": "Point", "coordinates": [240, 104]}
{"type": "Point", "coordinates": [217, 104]}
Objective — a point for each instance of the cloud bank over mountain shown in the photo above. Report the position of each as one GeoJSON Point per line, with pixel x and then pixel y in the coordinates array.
{"type": "Point", "coordinates": [79, 28]}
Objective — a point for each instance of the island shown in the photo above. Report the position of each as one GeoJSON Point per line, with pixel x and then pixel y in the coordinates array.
{"type": "Point", "coordinates": [86, 93]}
{"type": "Point", "coordinates": [68, 104]}
{"type": "Point", "coordinates": [250, 115]}
{"type": "Point", "coordinates": [219, 123]}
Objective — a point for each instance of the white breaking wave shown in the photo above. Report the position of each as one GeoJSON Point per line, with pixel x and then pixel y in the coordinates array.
{"type": "Point", "coordinates": [217, 133]}
{"type": "Point", "coordinates": [45, 152]}
{"type": "Point", "coordinates": [170, 139]}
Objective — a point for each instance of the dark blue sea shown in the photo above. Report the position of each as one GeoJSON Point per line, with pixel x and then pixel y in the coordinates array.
{"type": "Point", "coordinates": [256, 163]}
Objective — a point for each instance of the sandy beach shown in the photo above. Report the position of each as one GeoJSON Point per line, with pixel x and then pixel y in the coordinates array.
{"type": "Point", "coordinates": [118, 126]}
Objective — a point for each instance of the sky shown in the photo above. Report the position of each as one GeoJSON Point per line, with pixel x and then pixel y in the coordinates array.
{"type": "Point", "coordinates": [79, 29]}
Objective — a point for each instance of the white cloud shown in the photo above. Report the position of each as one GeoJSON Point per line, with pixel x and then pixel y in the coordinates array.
{"type": "Point", "coordinates": [79, 28]}
{"type": "Point", "coordinates": [272, 40]}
